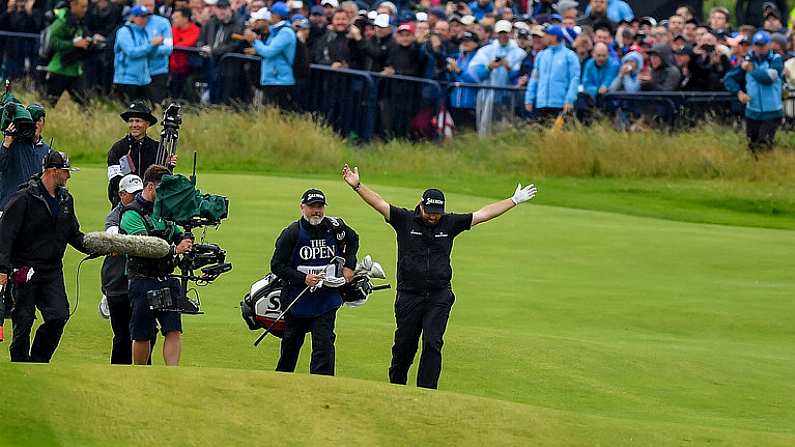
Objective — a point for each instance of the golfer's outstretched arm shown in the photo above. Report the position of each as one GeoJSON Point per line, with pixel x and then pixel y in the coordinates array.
{"type": "Point", "coordinates": [496, 209]}
{"type": "Point", "coordinates": [351, 177]}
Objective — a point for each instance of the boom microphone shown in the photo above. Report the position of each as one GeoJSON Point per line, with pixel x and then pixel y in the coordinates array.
{"type": "Point", "coordinates": [102, 243]}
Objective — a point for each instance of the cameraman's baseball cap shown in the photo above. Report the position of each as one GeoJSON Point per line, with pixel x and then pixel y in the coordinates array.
{"type": "Point", "coordinates": [433, 201]}
{"type": "Point", "coordinates": [131, 183]}
{"type": "Point", "coordinates": [313, 196]}
{"type": "Point", "coordinates": [140, 11]}
{"type": "Point", "coordinates": [57, 160]}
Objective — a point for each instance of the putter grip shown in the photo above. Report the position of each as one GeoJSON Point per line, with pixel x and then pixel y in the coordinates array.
{"type": "Point", "coordinates": [382, 287]}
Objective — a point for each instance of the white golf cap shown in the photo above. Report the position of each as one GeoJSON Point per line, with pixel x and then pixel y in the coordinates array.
{"type": "Point", "coordinates": [332, 3]}
{"type": "Point", "coordinates": [381, 21]}
{"type": "Point", "coordinates": [131, 183]}
{"type": "Point", "coordinates": [422, 16]}
{"type": "Point", "coordinates": [503, 26]}
{"type": "Point", "coordinates": [210, 2]}
{"type": "Point", "coordinates": [468, 19]}
{"type": "Point", "coordinates": [372, 15]}
{"type": "Point", "coordinates": [261, 14]}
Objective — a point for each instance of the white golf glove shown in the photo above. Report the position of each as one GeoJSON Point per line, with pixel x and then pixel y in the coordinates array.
{"type": "Point", "coordinates": [523, 194]}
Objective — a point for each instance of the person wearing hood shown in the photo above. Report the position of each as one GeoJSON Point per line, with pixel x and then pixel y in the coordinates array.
{"type": "Point", "coordinates": [69, 41]}
{"type": "Point", "coordinates": [628, 76]}
{"type": "Point", "coordinates": [555, 78]}
{"type": "Point", "coordinates": [757, 82]}
{"type": "Point", "coordinates": [663, 76]}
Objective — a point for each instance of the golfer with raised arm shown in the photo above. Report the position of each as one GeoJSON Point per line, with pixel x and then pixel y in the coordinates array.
{"type": "Point", "coordinates": [424, 294]}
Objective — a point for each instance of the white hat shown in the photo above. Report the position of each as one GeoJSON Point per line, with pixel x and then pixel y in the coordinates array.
{"type": "Point", "coordinates": [261, 14]}
{"type": "Point", "coordinates": [295, 4]}
{"type": "Point", "coordinates": [131, 183]}
{"type": "Point", "coordinates": [210, 2]}
{"type": "Point", "coordinates": [372, 15]}
{"type": "Point", "coordinates": [422, 16]}
{"type": "Point", "coordinates": [468, 19]}
{"type": "Point", "coordinates": [503, 26]}
{"type": "Point", "coordinates": [382, 21]}
{"type": "Point", "coordinates": [332, 3]}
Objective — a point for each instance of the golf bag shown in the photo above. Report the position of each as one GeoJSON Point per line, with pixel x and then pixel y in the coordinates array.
{"type": "Point", "coordinates": [262, 305]}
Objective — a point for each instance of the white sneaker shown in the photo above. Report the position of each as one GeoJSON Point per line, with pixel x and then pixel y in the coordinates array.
{"type": "Point", "coordinates": [104, 310]}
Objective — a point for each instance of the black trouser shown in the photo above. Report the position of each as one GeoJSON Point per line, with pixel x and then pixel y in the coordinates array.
{"type": "Point", "coordinates": [46, 292]}
{"type": "Point", "coordinates": [280, 96]}
{"type": "Point", "coordinates": [121, 353]}
{"type": "Point", "coordinates": [157, 90]}
{"type": "Point", "coordinates": [415, 314]}
{"type": "Point", "coordinates": [128, 92]}
{"type": "Point", "coordinates": [322, 329]}
{"type": "Point", "coordinates": [761, 134]}
{"type": "Point", "coordinates": [546, 116]}
{"type": "Point", "coordinates": [57, 84]}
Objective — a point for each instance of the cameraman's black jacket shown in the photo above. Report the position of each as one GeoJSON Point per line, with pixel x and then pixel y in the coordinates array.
{"type": "Point", "coordinates": [31, 235]}
{"type": "Point", "coordinates": [152, 268]}
{"type": "Point", "coordinates": [141, 155]}
{"type": "Point", "coordinates": [281, 263]}
{"type": "Point", "coordinates": [424, 250]}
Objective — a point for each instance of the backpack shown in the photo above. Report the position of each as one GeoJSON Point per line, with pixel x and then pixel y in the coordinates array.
{"type": "Point", "coordinates": [45, 45]}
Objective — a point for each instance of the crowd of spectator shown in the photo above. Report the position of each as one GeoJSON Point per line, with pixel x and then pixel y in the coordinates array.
{"type": "Point", "coordinates": [565, 54]}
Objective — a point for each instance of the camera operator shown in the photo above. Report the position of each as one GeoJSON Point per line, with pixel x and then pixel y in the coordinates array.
{"type": "Point", "coordinates": [37, 224]}
{"type": "Point", "coordinates": [152, 275]}
{"type": "Point", "coordinates": [134, 153]}
{"type": "Point", "coordinates": [424, 292]}
{"type": "Point", "coordinates": [21, 157]}
{"type": "Point", "coordinates": [304, 248]}
{"type": "Point", "coordinates": [709, 65]}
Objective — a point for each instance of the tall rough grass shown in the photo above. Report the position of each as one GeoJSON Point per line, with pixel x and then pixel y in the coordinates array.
{"type": "Point", "coordinates": [267, 141]}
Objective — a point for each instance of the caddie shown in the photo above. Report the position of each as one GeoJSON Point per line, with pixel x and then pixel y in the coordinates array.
{"type": "Point", "coordinates": [304, 252]}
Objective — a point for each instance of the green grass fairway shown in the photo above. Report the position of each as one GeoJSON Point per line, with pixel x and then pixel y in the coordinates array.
{"type": "Point", "coordinates": [571, 327]}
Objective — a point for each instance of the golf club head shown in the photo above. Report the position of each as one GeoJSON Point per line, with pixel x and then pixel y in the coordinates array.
{"type": "Point", "coordinates": [377, 271]}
